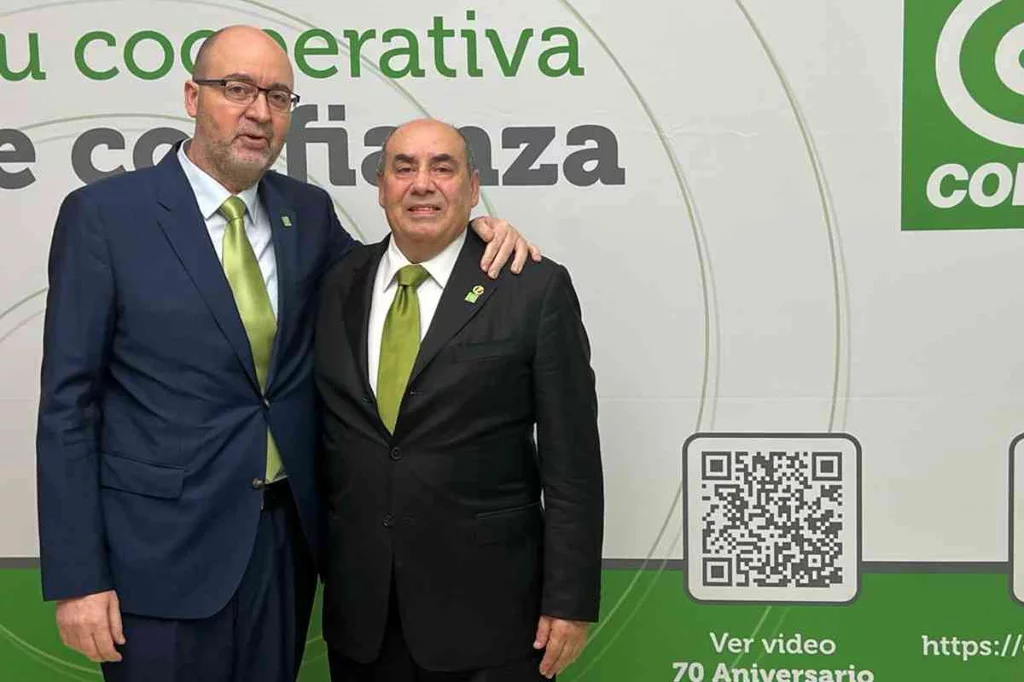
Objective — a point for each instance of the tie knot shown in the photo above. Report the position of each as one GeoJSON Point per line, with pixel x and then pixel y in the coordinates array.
{"type": "Point", "coordinates": [412, 276]}
{"type": "Point", "coordinates": [233, 208]}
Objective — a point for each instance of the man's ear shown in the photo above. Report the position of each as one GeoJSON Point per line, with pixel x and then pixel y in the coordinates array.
{"type": "Point", "coordinates": [191, 99]}
{"type": "Point", "coordinates": [474, 183]}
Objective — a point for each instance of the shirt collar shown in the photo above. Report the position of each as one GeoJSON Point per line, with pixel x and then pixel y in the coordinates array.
{"type": "Point", "coordinates": [210, 194]}
{"type": "Point", "coordinates": [439, 267]}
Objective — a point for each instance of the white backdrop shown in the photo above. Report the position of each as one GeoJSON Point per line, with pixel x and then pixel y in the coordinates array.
{"type": "Point", "coordinates": [749, 275]}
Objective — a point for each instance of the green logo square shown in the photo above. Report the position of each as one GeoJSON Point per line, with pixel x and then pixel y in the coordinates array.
{"type": "Point", "coordinates": [963, 114]}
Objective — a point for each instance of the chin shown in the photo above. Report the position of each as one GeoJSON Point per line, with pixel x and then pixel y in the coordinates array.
{"type": "Point", "coordinates": [251, 159]}
{"type": "Point", "coordinates": [421, 233]}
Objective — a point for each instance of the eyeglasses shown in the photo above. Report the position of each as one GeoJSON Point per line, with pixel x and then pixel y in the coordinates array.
{"type": "Point", "coordinates": [242, 92]}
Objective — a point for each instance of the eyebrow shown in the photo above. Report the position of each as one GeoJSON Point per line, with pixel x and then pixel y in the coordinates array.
{"type": "Point", "coordinates": [249, 79]}
{"type": "Point", "coordinates": [436, 158]}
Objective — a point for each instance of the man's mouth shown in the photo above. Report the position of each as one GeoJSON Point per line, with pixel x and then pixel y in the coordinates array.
{"type": "Point", "coordinates": [253, 139]}
{"type": "Point", "coordinates": [424, 210]}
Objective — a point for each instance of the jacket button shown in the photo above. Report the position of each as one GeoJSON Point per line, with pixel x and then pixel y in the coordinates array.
{"type": "Point", "coordinates": [257, 484]}
{"type": "Point", "coordinates": [266, 404]}
{"type": "Point", "coordinates": [396, 454]}
{"type": "Point", "coordinates": [389, 520]}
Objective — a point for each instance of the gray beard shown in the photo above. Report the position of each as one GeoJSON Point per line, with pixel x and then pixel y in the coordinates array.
{"type": "Point", "coordinates": [236, 173]}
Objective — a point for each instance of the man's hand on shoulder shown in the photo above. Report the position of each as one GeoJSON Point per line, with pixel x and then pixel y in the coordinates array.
{"type": "Point", "coordinates": [563, 641]}
{"type": "Point", "coordinates": [502, 240]}
{"type": "Point", "coordinates": [91, 625]}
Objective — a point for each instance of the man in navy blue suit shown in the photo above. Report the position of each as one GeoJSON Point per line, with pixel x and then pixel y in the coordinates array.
{"type": "Point", "coordinates": [178, 519]}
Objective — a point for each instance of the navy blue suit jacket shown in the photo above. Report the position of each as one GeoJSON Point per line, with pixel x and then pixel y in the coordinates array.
{"type": "Point", "coordinates": [152, 427]}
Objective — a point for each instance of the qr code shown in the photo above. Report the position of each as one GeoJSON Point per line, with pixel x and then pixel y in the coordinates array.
{"type": "Point", "coordinates": [772, 518]}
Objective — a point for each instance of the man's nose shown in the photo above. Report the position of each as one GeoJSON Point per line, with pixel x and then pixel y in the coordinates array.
{"type": "Point", "coordinates": [422, 183]}
{"type": "Point", "coordinates": [259, 108]}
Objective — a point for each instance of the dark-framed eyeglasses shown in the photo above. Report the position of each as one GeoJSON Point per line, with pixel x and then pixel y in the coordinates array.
{"type": "Point", "coordinates": [244, 92]}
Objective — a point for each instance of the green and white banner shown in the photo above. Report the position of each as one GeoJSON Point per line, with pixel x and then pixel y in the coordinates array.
{"type": "Point", "coordinates": [794, 227]}
{"type": "Point", "coordinates": [963, 123]}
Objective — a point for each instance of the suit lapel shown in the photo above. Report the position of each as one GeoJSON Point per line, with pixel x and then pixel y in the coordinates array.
{"type": "Point", "coordinates": [459, 301]}
{"type": "Point", "coordinates": [186, 231]}
{"type": "Point", "coordinates": [357, 312]}
{"type": "Point", "coordinates": [284, 233]}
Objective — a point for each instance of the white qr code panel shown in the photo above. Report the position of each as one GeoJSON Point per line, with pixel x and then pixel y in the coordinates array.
{"type": "Point", "coordinates": [772, 518]}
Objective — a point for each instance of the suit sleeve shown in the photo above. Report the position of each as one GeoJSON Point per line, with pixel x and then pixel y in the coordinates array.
{"type": "Point", "coordinates": [79, 320]}
{"type": "Point", "coordinates": [570, 457]}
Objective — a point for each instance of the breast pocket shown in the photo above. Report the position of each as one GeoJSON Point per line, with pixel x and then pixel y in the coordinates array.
{"type": "Point", "coordinates": [483, 350]}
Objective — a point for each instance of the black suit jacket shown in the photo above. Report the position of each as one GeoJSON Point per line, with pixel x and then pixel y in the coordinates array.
{"type": "Point", "coordinates": [452, 502]}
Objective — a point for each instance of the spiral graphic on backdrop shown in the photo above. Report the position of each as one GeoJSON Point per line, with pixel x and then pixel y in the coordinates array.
{"type": "Point", "coordinates": [956, 36]}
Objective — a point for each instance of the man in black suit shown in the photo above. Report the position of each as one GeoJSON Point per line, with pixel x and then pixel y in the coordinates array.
{"type": "Point", "coordinates": [442, 564]}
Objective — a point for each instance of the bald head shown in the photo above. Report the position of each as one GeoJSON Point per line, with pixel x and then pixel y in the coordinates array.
{"type": "Point", "coordinates": [468, 158]}
{"type": "Point", "coordinates": [232, 38]}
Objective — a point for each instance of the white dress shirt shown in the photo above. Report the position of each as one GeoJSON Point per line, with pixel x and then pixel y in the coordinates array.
{"type": "Point", "coordinates": [210, 194]}
{"type": "Point", "coordinates": [385, 287]}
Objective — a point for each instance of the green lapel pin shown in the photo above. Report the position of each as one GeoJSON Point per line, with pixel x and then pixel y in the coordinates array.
{"type": "Point", "coordinates": [475, 293]}
{"type": "Point", "coordinates": [286, 221]}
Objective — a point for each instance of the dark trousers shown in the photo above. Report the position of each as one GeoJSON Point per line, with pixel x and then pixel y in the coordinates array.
{"type": "Point", "coordinates": [396, 664]}
{"type": "Point", "coordinates": [259, 636]}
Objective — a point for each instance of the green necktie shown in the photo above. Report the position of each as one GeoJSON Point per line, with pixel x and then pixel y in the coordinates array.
{"type": "Point", "coordinates": [399, 344]}
{"type": "Point", "coordinates": [253, 303]}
